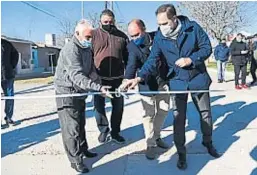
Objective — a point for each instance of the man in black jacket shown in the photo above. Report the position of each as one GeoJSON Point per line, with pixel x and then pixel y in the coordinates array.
{"type": "Point", "coordinates": [9, 60]}
{"type": "Point", "coordinates": [155, 106]}
{"type": "Point", "coordinates": [239, 54]}
{"type": "Point", "coordinates": [254, 60]}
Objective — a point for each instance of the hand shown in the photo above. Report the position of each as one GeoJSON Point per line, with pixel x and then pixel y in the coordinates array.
{"type": "Point", "coordinates": [244, 52]}
{"type": "Point", "coordinates": [122, 87]}
{"type": "Point", "coordinates": [105, 91]}
{"type": "Point", "coordinates": [183, 62]}
{"type": "Point", "coordinates": [166, 87]}
{"type": "Point", "coordinates": [130, 84]}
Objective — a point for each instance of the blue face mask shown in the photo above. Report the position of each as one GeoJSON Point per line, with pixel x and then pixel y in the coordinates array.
{"type": "Point", "coordinates": [86, 43]}
{"type": "Point", "coordinates": [139, 41]}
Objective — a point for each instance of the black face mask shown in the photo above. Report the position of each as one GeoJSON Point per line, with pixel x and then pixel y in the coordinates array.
{"type": "Point", "coordinates": [108, 27]}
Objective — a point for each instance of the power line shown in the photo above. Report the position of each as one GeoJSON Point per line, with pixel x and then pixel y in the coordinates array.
{"type": "Point", "coordinates": [119, 10]}
{"type": "Point", "coordinates": [39, 9]}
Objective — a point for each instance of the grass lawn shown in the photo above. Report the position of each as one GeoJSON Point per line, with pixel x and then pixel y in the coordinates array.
{"type": "Point", "coordinates": [47, 80]}
{"type": "Point", "coordinates": [229, 68]}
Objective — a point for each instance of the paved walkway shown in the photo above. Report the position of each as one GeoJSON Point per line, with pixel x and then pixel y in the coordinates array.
{"type": "Point", "coordinates": [34, 147]}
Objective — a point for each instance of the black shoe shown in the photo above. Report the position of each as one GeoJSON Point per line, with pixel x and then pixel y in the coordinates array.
{"type": "Point", "coordinates": [219, 81]}
{"type": "Point", "coordinates": [103, 137]}
{"type": "Point", "coordinates": [150, 153]}
{"type": "Point", "coordinates": [211, 150]}
{"type": "Point", "coordinates": [9, 121]}
{"type": "Point", "coordinates": [160, 143]}
{"type": "Point", "coordinates": [118, 139]}
{"type": "Point", "coordinates": [182, 163]}
{"type": "Point", "coordinates": [80, 167]}
{"type": "Point", "coordinates": [89, 154]}
{"type": "Point", "coordinates": [252, 83]}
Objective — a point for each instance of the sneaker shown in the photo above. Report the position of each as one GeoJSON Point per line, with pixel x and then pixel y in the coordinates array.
{"type": "Point", "coordinates": [238, 87]}
{"type": "Point", "coordinates": [252, 83]}
{"type": "Point", "coordinates": [219, 81]}
{"type": "Point", "coordinates": [150, 153]}
{"type": "Point", "coordinates": [80, 167]}
{"type": "Point", "coordinates": [118, 139]}
{"type": "Point", "coordinates": [244, 86]}
{"type": "Point", "coordinates": [160, 143]}
{"type": "Point", "coordinates": [103, 137]}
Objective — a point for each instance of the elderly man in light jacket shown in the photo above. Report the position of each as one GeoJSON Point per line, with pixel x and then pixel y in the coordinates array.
{"type": "Point", "coordinates": [76, 73]}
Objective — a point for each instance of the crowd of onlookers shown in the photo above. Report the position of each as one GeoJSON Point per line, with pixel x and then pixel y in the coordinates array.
{"type": "Point", "coordinates": [241, 52]}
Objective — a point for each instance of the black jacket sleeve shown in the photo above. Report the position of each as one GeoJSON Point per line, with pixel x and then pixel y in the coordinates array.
{"type": "Point", "coordinates": [14, 56]}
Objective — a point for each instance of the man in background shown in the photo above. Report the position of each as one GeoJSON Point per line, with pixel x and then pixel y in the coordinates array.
{"type": "Point", "coordinates": [239, 55]}
{"type": "Point", "coordinates": [221, 54]}
{"type": "Point", "coordinates": [9, 61]}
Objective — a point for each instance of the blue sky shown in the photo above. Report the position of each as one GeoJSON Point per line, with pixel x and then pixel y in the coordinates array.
{"type": "Point", "coordinates": [22, 21]}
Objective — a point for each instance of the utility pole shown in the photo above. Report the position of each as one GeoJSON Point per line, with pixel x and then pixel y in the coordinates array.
{"type": "Point", "coordinates": [105, 5]}
{"type": "Point", "coordinates": [82, 9]}
{"type": "Point", "coordinates": [108, 5]}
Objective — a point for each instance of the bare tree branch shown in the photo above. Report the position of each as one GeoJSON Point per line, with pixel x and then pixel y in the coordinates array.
{"type": "Point", "coordinates": [219, 18]}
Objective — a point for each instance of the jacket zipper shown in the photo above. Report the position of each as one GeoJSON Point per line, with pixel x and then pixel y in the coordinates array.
{"type": "Point", "coordinates": [110, 62]}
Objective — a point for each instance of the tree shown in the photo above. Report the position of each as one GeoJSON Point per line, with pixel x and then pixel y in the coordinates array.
{"type": "Point", "coordinates": [94, 18]}
{"type": "Point", "coordinates": [66, 26]}
{"type": "Point", "coordinates": [219, 18]}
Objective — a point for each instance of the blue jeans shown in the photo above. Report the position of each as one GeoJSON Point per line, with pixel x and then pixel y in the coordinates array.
{"type": "Point", "coordinates": [7, 86]}
{"type": "Point", "coordinates": [221, 66]}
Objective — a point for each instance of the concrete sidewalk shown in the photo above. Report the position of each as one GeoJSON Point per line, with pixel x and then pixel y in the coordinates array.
{"type": "Point", "coordinates": [34, 147]}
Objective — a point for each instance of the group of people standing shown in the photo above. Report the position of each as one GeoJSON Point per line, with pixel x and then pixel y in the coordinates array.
{"type": "Point", "coordinates": [104, 59]}
{"type": "Point", "coordinates": [242, 52]}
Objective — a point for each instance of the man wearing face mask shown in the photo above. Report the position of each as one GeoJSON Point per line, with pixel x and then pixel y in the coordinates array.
{"type": "Point", "coordinates": [155, 106]}
{"type": "Point", "coordinates": [221, 54]}
{"type": "Point", "coordinates": [110, 57]}
{"type": "Point", "coordinates": [76, 73]}
{"type": "Point", "coordinates": [239, 54]}
{"type": "Point", "coordinates": [185, 46]}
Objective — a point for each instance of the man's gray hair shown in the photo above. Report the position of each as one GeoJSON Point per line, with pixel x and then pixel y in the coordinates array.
{"type": "Point", "coordinates": [83, 24]}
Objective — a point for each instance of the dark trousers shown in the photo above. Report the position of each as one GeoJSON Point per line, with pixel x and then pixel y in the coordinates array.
{"type": "Point", "coordinates": [71, 113]}
{"type": "Point", "coordinates": [202, 103]}
{"type": "Point", "coordinates": [117, 110]}
{"type": "Point", "coordinates": [243, 69]}
{"type": "Point", "coordinates": [7, 86]}
{"type": "Point", "coordinates": [253, 69]}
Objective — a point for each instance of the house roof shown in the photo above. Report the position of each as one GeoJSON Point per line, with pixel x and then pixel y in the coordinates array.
{"type": "Point", "coordinates": [17, 40]}
{"type": "Point", "coordinates": [43, 45]}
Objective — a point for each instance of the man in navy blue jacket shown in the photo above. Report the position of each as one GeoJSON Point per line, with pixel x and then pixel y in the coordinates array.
{"type": "Point", "coordinates": [155, 106]}
{"type": "Point", "coordinates": [221, 54]}
{"type": "Point", "coordinates": [185, 46]}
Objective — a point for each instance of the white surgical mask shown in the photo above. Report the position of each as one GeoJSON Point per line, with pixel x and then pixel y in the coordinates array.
{"type": "Point", "coordinates": [86, 43]}
{"type": "Point", "coordinates": [166, 30]}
